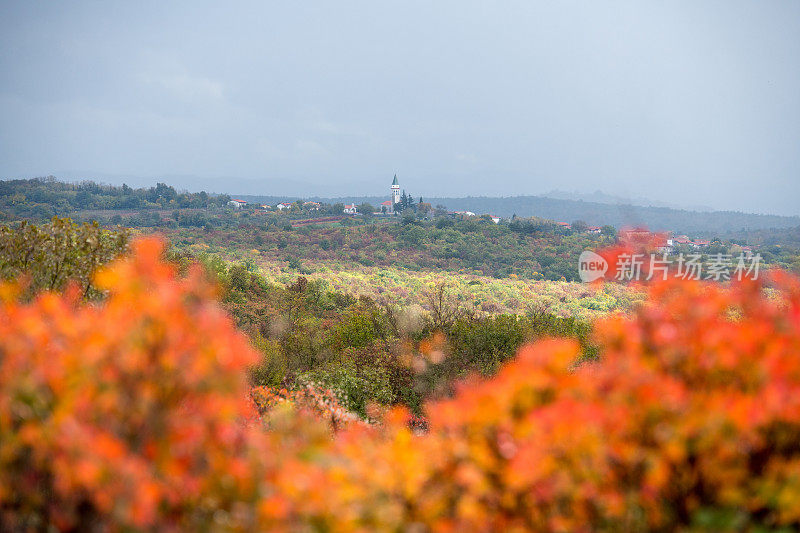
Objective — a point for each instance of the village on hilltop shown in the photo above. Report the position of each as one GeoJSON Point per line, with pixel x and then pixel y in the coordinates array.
{"type": "Point", "coordinates": [400, 203]}
{"type": "Point", "coordinates": [397, 204]}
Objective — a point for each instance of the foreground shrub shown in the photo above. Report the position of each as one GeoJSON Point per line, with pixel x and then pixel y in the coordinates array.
{"type": "Point", "coordinates": [128, 413]}
{"type": "Point", "coordinates": [134, 414]}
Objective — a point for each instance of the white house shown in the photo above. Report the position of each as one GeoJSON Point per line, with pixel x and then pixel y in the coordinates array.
{"type": "Point", "coordinates": [350, 209]}
{"type": "Point", "coordinates": [282, 206]}
{"type": "Point", "coordinates": [667, 247]}
{"type": "Point", "coordinates": [237, 204]}
{"type": "Point", "coordinates": [495, 219]}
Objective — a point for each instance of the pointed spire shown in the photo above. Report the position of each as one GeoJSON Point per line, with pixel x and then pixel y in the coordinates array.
{"type": "Point", "coordinates": [395, 180]}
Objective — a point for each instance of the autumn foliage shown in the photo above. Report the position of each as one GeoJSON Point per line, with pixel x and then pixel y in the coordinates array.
{"type": "Point", "coordinates": [135, 413]}
{"type": "Point", "coordinates": [128, 412]}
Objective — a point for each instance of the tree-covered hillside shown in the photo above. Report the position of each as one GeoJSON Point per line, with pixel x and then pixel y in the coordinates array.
{"type": "Point", "coordinates": [475, 246]}
{"type": "Point", "coordinates": [42, 198]}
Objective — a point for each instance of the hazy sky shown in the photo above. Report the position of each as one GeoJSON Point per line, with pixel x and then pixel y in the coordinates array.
{"type": "Point", "coordinates": [683, 102]}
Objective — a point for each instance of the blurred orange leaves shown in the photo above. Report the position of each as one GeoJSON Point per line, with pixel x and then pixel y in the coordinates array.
{"type": "Point", "coordinates": [135, 412]}
{"type": "Point", "coordinates": [123, 412]}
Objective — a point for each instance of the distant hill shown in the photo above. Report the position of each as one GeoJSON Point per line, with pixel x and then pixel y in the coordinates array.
{"type": "Point", "coordinates": [655, 218]}
{"type": "Point", "coordinates": [602, 198]}
{"type": "Point", "coordinates": [696, 223]}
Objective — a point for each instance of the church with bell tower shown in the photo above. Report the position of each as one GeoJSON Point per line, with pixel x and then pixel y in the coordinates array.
{"type": "Point", "coordinates": [388, 206]}
{"type": "Point", "coordinates": [395, 192]}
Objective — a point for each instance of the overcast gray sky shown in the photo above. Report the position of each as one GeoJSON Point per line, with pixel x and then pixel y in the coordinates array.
{"type": "Point", "coordinates": [684, 102]}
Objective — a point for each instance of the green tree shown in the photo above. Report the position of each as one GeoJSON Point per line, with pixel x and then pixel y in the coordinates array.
{"type": "Point", "coordinates": [239, 277]}
{"type": "Point", "coordinates": [366, 208]}
{"type": "Point", "coordinates": [580, 226]}
{"type": "Point", "coordinates": [609, 231]}
{"type": "Point", "coordinates": [409, 218]}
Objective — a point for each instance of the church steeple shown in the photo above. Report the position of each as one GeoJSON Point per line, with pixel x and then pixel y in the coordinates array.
{"type": "Point", "coordinates": [395, 192]}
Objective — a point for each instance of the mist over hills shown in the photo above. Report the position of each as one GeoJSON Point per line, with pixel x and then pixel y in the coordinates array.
{"type": "Point", "coordinates": [600, 197]}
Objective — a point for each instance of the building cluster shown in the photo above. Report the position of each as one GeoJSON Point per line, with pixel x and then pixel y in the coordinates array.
{"type": "Point", "coordinates": [686, 241]}
{"type": "Point", "coordinates": [589, 229]}
{"type": "Point", "coordinates": [239, 204]}
{"type": "Point", "coordinates": [388, 207]}
{"type": "Point", "coordinates": [663, 242]}
{"type": "Point", "coordinates": [392, 205]}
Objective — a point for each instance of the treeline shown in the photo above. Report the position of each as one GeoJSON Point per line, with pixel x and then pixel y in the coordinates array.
{"type": "Point", "coordinates": [40, 198]}
{"type": "Point", "coordinates": [784, 237]}
{"type": "Point", "coordinates": [522, 248]}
